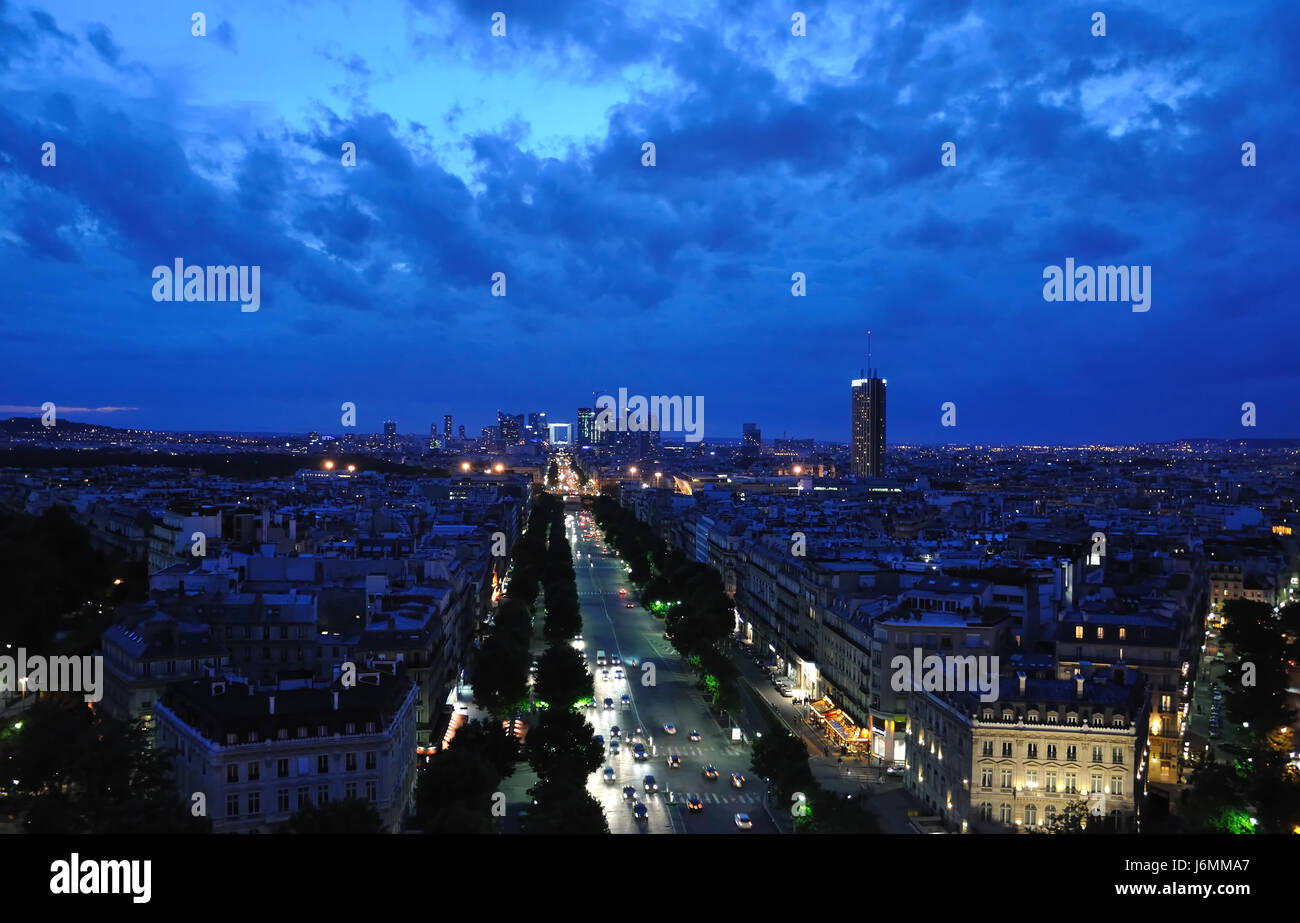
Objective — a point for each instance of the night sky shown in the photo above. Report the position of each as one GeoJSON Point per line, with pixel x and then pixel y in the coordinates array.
{"type": "Point", "coordinates": [775, 154]}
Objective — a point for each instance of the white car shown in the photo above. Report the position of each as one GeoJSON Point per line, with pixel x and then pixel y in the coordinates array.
{"type": "Point", "coordinates": [743, 822]}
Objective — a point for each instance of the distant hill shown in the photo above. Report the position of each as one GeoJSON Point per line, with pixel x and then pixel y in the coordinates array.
{"type": "Point", "coordinates": [31, 426]}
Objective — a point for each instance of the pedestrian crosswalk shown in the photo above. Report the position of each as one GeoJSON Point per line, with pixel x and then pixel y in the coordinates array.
{"type": "Point", "coordinates": [718, 798]}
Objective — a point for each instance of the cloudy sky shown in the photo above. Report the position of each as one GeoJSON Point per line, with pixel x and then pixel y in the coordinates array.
{"type": "Point", "coordinates": [775, 154]}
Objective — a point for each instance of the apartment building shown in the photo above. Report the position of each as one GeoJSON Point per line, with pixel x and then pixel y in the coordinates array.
{"type": "Point", "coordinates": [1129, 636]}
{"type": "Point", "coordinates": [257, 757]}
{"type": "Point", "coordinates": [149, 650]}
{"type": "Point", "coordinates": [940, 616]}
{"type": "Point", "coordinates": [1014, 764]}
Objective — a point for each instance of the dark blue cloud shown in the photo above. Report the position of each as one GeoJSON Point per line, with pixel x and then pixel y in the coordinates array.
{"type": "Point", "coordinates": [102, 41]}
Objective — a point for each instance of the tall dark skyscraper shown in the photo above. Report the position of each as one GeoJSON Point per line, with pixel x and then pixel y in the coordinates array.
{"type": "Point", "coordinates": [446, 425]}
{"type": "Point", "coordinates": [390, 428]}
{"type": "Point", "coordinates": [868, 424]}
{"type": "Point", "coordinates": [512, 427]}
{"type": "Point", "coordinates": [586, 420]}
{"type": "Point", "coordinates": [751, 439]}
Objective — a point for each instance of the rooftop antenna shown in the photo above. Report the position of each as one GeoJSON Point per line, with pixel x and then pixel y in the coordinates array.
{"type": "Point", "coordinates": [869, 368]}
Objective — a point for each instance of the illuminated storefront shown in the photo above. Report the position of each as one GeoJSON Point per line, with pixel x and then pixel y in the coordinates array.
{"type": "Point", "coordinates": [839, 728]}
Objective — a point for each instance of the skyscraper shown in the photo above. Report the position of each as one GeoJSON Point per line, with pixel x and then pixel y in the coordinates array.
{"type": "Point", "coordinates": [446, 425]}
{"type": "Point", "coordinates": [511, 428]}
{"type": "Point", "coordinates": [390, 428]}
{"type": "Point", "coordinates": [538, 428]}
{"type": "Point", "coordinates": [751, 439]}
{"type": "Point", "coordinates": [586, 417]}
{"type": "Point", "coordinates": [868, 425]}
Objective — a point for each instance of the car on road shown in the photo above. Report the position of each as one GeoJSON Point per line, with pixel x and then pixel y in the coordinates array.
{"type": "Point", "coordinates": [650, 784]}
{"type": "Point", "coordinates": [614, 731]}
{"type": "Point", "coordinates": [622, 591]}
{"type": "Point", "coordinates": [674, 762]}
{"type": "Point", "coordinates": [743, 822]}
{"type": "Point", "coordinates": [894, 771]}
{"type": "Point", "coordinates": [710, 772]}
{"type": "Point", "coordinates": [609, 703]}
{"type": "Point", "coordinates": [577, 637]}
{"type": "Point", "coordinates": [787, 692]}
{"type": "Point", "coordinates": [694, 803]}
{"type": "Point", "coordinates": [599, 739]}
{"type": "Point", "coordinates": [613, 748]}
{"type": "Point", "coordinates": [670, 729]}
{"type": "Point", "coordinates": [618, 674]}
{"type": "Point", "coordinates": [604, 674]}
{"type": "Point", "coordinates": [737, 780]}
{"type": "Point", "coordinates": [640, 811]}
{"type": "Point", "coordinates": [613, 659]}
{"type": "Point", "coordinates": [629, 793]}
{"type": "Point", "coordinates": [630, 606]}
{"type": "Point", "coordinates": [533, 667]}
{"type": "Point", "coordinates": [695, 735]}
{"type": "Point", "coordinates": [626, 699]}
{"type": "Point", "coordinates": [609, 774]}
{"type": "Point", "coordinates": [638, 752]}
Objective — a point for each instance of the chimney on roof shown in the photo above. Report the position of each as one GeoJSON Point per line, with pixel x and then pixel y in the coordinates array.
{"type": "Point", "coordinates": [272, 701]}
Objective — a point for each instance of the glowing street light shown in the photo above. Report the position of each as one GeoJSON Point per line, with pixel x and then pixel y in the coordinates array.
{"type": "Point", "coordinates": [352, 468]}
{"type": "Point", "coordinates": [632, 470]}
{"type": "Point", "coordinates": [464, 466]}
{"type": "Point", "coordinates": [329, 466]}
